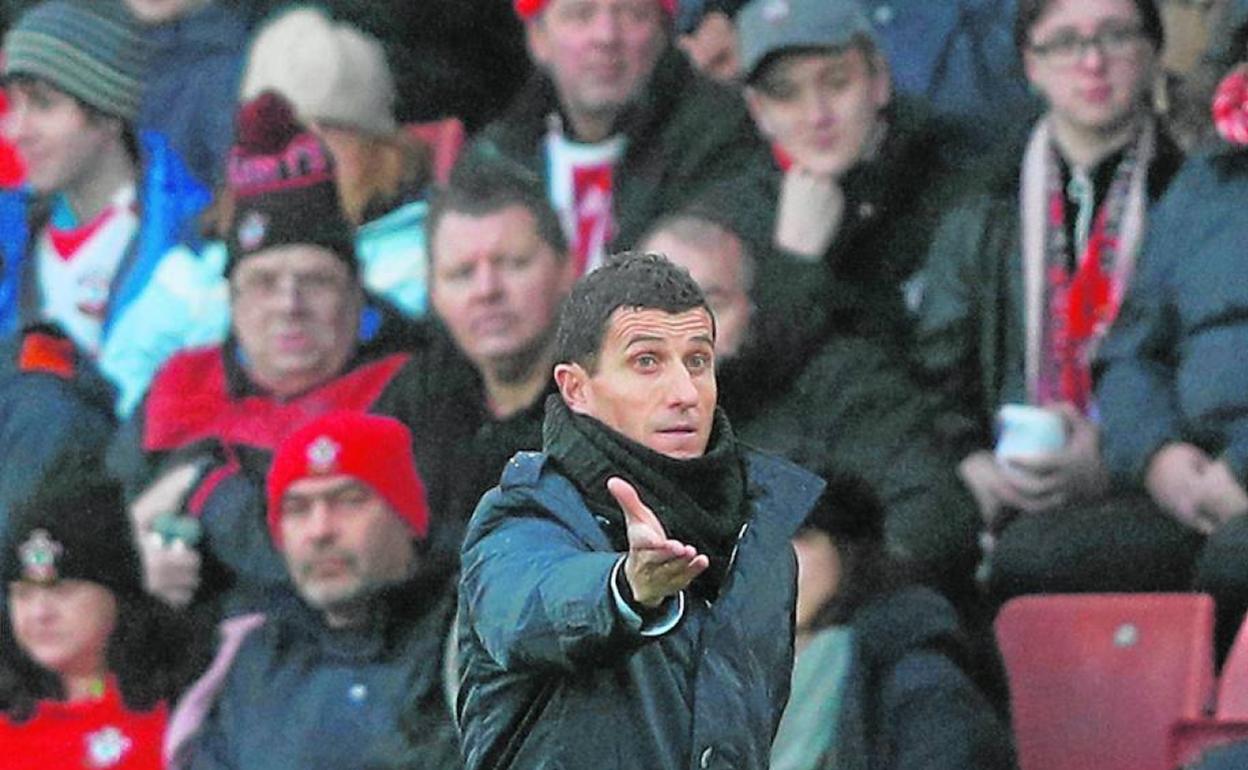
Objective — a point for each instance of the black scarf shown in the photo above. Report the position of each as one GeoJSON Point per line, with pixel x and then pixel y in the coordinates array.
{"type": "Point", "coordinates": [700, 501]}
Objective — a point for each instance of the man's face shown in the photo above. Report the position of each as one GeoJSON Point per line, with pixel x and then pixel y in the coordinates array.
{"type": "Point", "coordinates": [62, 144]}
{"type": "Point", "coordinates": [497, 285]}
{"type": "Point", "coordinates": [65, 626]}
{"type": "Point", "coordinates": [654, 381]}
{"type": "Point", "coordinates": [296, 313]}
{"type": "Point", "coordinates": [1103, 87]}
{"type": "Point", "coordinates": [719, 269]}
{"type": "Point", "coordinates": [599, 53]}
{"type": "Point", "coordinates": [160, 11]}
{"type": "Point", "coordinates": [821, 108]}
{"type": "Point", "coordinates": [341, 542]}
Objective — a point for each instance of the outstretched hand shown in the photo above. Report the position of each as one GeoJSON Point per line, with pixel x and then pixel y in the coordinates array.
{"type": "Point", "coordinates": [656, 566]}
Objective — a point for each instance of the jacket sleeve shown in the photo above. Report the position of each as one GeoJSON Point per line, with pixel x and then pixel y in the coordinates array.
{"type": "Point", "coordinates": [210, 749]}
{"type": "Point", "coordinates": [186, 304]}
{"type": "Point", "coordinates": [537, 595]}
{"type": "Point", "coordinates": [937, 720]}
{"type": "Point", "coordinates": [1135, 366]}
{"type": "Point", "coordinates": [947, 350]}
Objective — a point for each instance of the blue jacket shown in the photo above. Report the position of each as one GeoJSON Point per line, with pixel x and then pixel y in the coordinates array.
{"type": "Point", "coordinates": [302, 695]}
{"type": "Point", "coordinates": [192, 89]}
{"type": "Point", "coordinates": [1172, 367]}
{"type": "Point", "coordinates": [552, 677]}
{"type": "Point", "coordinates": [169, 199]}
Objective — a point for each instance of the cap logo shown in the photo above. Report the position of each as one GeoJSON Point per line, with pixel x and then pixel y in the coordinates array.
{"type": "Point", "coordinates": [252, 229]}
{"type": "Point", "coordinates": [776, 11]}
{"type": "Point", "coordinates": [38, 556]}
{"type": "Point", "coordinates": [323, 455]}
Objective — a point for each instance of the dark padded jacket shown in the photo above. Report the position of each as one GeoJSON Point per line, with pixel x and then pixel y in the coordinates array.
{"type": "Point", "coordinates": [301, 695]}
{"type": "Point", "coordinates": [552, 678]}
{"type": "Point", "coordinates": [1172, 367]}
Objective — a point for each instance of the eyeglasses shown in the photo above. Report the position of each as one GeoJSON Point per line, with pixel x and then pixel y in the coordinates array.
{"type": "Point", "coordinates": [1067, 49]}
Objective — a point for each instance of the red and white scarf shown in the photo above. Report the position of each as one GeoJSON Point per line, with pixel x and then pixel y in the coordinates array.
{"type": "Point", "coordinates": [76, 267]}
{"type": "Point", "coordinates": [1066, 313]}
{"type": "Point", "coordinates": [582, 191]}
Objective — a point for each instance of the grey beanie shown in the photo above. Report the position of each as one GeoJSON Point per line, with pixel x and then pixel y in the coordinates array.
{"type": "Point", "coordinates": [93, 50]}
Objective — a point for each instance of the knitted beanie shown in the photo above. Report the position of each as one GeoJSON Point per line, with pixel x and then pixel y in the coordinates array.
{"type": "Point", "coordinates": [93, 50]}
{"type": "Point", "coordinates": [74, 527]}
{"type": "Point", "coordinates": [331, 72]}
{"type": "Point", "coordinates": [848, 510]}
{"type": "Point", "coordinates": [282, 180]}
{"type": "Point", "coordinates": [527, 9]}
{"type": "Point", "coordinates": [374, 449]}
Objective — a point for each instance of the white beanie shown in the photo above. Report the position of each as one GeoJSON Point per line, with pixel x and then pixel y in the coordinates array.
{"type": "Point", "coordinates": [330, 72]}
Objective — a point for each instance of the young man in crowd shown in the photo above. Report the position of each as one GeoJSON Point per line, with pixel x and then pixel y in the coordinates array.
{"type": "Point", "coordinates": [623, 599]}
{"type": "Point", "coordinates": [616, 122]}
{"type": "Point", "coordinates": [857, 178]}
{"type": "Point", "coordinates": [349, 664]}
{"type": "Point", "coordinates": [105, 202]}
{"type": "Point", "coordinates": [1022, 282]}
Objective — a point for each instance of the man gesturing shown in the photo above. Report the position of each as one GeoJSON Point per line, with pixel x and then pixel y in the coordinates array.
{"type": "Point", "coordinates": [626, 598]}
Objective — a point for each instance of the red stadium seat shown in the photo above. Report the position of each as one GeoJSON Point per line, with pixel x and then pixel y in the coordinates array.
{"type": "Point", "coordinates": [1097, 681]}
{"type": "Point", "coordinates": [1190, 739]}
{"type": "Point", "coordinates": [1233, 684]}
{"type": "Point", "coordinates": [445, 138]}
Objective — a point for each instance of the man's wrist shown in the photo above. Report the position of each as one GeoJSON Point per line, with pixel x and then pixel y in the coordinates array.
{"type": "Point", "coordinates": [625, 591]}
{"type": "Point", "coordinates": [648, 623]}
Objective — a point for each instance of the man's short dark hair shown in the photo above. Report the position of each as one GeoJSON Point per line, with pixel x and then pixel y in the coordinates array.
{"type": "Point", "coordinates": [631, 280]}
{"type": "Point", "coordinates": [483, 186]}
{"type": "Point", "coordinates": [1030, 11]}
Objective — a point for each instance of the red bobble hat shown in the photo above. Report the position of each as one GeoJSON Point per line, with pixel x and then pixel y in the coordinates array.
{"type": "Point", "coordinates": [374, 449]}
{"type": "Point", "coordinates": [527, 9]}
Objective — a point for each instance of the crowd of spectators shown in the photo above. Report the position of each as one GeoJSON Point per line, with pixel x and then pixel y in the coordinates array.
{"type": "Point", "coordinates": [261, 353]}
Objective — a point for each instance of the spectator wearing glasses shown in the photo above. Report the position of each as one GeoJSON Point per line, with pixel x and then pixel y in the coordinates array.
{"type": "Point", "coordinates": [1023, 280]}
{"type": "Point", "coordinates": [305, 338]}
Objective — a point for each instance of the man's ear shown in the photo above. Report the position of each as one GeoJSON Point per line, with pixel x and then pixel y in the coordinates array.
{"type": "Point", "coordinates": [573, 383]}
{"type": "Point", "coordinates": [882, 82]}
{"type": "Point", "coordinates": [535, 38]}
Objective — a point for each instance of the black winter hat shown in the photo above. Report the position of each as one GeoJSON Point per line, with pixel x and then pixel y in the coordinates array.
{"type": "Point", "coordinates": [848, 510]}
{"type": "Point", "coordinates": [74, 527]}
{"type": "Point", "coordinates": [282, 178]}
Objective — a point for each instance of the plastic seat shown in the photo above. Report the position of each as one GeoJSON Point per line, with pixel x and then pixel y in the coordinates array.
{"type": "Point", "coordinates": [1233, 684]}
{"type": "Point", "coordinates": [445, 139]}
{"type": "Point", "coordinates": [1097, 681]}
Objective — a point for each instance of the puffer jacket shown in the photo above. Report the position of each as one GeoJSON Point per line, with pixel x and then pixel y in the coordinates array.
{"type": "Point", "coordinates": [551, 676]}
{"type": "Point", "coordinates": [1172, 367]}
